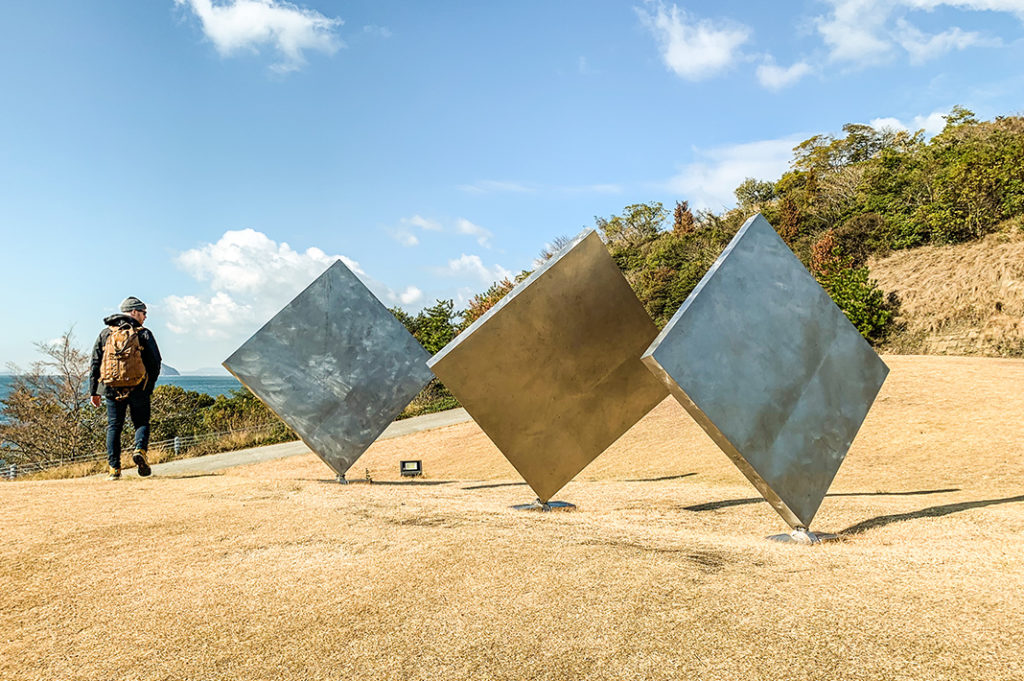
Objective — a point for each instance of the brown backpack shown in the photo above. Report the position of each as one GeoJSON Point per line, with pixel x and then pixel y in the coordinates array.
{"type": "Point", "coordinates": [122, 365]}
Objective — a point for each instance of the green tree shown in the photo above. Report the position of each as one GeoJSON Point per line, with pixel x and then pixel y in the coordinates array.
{"type": "Point", "coordinates": [752, 194]}
{"type": "Point", "coordinates": [436, 325]}
{"type": "Point", "coordinates": [639, 222]}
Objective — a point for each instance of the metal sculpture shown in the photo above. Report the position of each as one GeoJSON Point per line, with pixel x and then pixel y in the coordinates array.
{"type": "Point", "coordinates": [335, 365]}
{"type": "Point", "coordinates": [771, 369]}
{"type": "Point", "coordinates": [552, 372]}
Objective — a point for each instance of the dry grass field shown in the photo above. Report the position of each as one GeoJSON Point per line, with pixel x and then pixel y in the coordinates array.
{"type": "Point", "coordinates": [274, 572]}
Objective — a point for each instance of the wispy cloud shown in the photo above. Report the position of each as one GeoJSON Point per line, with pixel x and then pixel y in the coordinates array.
{"type": "Point", "coordinates": [923, 47]}
{"type": "Point", "coordinates": [473, 266]}
{"type": "Point", "coordinates": [406, 238]}
{"type": "Point", "coordinates": [775, 77]}
{"type": "Point", "coordinates": [422, 223]}
{"type": "Point", "coordinates": [483, 236]}
{"type": "Point", "coordinates": [407, 234]}
{"type": "Point", "coordinates": [709, 181]}
{"type": "Point", "coordinates": [867, 32]}
{"type": "Point", "coordinates": [694, 49]}
{"type": "Point", "coordinates": [378, 31]}
{"type": "Point", "coordinates": [932, 123]}
{"type": "Point", "coordinates": [248, 25]}
{"type": "Point", "coordinates": [410, 295]}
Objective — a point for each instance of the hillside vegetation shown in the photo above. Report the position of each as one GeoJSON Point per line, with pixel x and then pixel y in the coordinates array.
{"type": "Point", "coordinates": [922, 212]}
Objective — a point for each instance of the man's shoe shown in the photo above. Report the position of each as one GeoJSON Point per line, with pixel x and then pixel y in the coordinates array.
{"type": "Point", "coordinates": [140, 460]}
{"type": "Point", "coordinates": [113, 473]}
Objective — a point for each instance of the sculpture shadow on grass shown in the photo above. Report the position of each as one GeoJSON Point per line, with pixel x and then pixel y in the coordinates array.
{"type": "Point", "coordinates": [518, 484]}
{"type": "Point", "coordinates": [497, 484]}
{"type": "Point", "coordinates": [930, 512]}
{"type": "Point", "coordinates": [726, 503]}
{"type": "Point", "coordinates": [663, 478]}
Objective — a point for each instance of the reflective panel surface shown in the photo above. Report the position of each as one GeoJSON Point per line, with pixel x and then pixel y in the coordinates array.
{"type": "Point", "coordinates": [552, 373]}
{"type": "Point", "coordinates": [771, 369]}
{"type": "Point", "coordinates": [335, 365]}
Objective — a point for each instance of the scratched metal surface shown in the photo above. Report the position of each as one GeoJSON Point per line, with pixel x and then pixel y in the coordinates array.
{"type": "Point", "coordinates": [335, 365]}
{"type": "Point", "coordinates": [771, 369]}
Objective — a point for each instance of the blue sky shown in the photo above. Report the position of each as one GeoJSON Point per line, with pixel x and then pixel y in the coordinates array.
{"type": "Point", "coordinates": [212, 158]}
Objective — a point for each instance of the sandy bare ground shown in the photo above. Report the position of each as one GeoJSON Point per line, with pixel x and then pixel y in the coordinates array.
{"type": "Point", "coordinates": [272, 572]}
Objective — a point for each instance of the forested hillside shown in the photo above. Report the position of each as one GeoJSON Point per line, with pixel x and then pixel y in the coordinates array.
{"type": "Point", "coordinates": [892, 198]}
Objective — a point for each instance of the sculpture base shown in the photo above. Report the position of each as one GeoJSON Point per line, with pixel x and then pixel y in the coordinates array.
{"type": "Point", "coordinates": [545, 506]}
{"type": "Point", "coordinates": [802, 535]}
{"type": "Point", "coordinates": [341, 480]}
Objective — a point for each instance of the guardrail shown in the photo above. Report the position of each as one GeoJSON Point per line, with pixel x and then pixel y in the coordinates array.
{"type": "Point", "coordinates": [11, 471]}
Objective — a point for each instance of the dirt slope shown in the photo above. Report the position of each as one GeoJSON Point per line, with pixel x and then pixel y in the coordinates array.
{"type": "Point", "coordinates": [966, 299]}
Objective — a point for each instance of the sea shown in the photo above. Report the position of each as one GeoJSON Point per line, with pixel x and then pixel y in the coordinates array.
{"type": "Point", "coordinates": [211, 385]}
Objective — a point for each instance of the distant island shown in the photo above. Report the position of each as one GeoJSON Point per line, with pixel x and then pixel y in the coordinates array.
{"type": "Point", "coordinates": [168, 370]}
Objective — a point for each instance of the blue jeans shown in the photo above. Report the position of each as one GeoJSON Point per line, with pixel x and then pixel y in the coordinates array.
{"type": "Point", "coordinates": [137, 403]}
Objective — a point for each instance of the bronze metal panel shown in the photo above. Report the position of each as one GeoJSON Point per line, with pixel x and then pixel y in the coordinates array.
{"type": "Point", "coordinates": [771, 369]}
{"type": "Point", "coordinates": [335, 365]}
{"type": "Point", "coordinates": [552, 373]}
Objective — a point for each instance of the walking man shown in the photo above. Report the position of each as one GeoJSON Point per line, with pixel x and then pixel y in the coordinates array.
{"type": "Point", "coordinates": [125, 366]}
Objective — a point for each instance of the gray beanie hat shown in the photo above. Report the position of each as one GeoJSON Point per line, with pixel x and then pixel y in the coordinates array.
{"type": "Point", "coordinates": [132, 303]}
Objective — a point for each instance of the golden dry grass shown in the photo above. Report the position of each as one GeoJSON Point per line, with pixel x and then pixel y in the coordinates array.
{"type": "Point", "coordinates": [273, 572]}
{"type": "Point", "coordinates": [966, 299]}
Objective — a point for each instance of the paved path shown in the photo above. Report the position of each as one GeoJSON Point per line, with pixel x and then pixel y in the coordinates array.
{"type": "Point", "coordinates": [242, 457]}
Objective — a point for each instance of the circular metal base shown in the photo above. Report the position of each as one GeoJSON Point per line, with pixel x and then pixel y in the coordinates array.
{"type": "Point", "coordinates": [802, 535]}
{"type": "Point", "coordinates": [342, 480]}
{"type": "Point", "coordinates": [545, 506]}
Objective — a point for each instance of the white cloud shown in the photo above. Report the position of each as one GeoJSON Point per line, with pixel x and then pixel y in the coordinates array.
{"type": "Point", "coordinates": [694, 49]}
{"type": "Point", "coordinates": [379, 31]}
{"type": "Point", "coordinates": [922, 47]}
{"type": "Point", "coordinates": [483, 236]}
{"type": "Point", "coordinates": [215, 317]}
{"type": "Point", "coordinates": [423, 223]}
{"type": "Point", "coordinates": [709, 182]}
{"type": "Point", "coordinates": [932, 124]}
{"type": "Point", "coordinates": [865, 32]}
{"type": "Point", "coordinates": [410, 295]}
{"type": "Point", "coordinates": [852, 31]}
{"type": "Point", "coordinates": [406, 238]}
{"type": "Point", "coordinates": [775, 77]}
{"type": "Point", "coordinates": [473, 266]}
{"type": "Point", "coordinates": [250, 277]}
{"type": "Point", "coordinates": [1013, 6]}
{"type": "Point", "coordinates": [251, 24]}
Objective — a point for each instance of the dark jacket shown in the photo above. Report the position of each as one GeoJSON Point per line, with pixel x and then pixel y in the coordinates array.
{"type": "Point", "coordinates": [150, 354]}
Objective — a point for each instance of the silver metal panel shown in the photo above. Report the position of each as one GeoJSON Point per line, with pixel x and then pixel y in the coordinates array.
{"type": "Point", "coordinates": [335, 365]}
{"type": "Point", "coordinates": [771, 369]}
{"type": "Point", "coordinates": [552, 373]}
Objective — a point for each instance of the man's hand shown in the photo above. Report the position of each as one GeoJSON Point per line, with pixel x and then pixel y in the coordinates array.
{"type": "Point", "coordinates": [95, 399]}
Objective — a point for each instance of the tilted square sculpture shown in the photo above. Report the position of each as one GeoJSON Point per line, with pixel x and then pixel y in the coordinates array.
{"type": "Point", "coordinates": [552, 372]}
{"type": "Point", "coordinates": [771, 369]}
{"type": "Point", "coordinates": [335, 365]}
